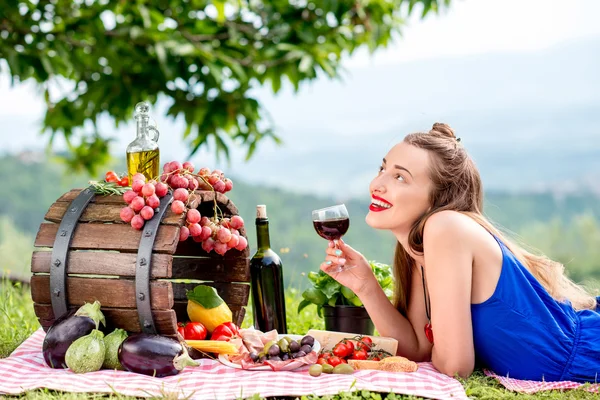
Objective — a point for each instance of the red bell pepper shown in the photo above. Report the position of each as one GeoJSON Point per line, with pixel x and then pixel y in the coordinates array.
{"type": "Point", "coordinates": [181, 329]}
{"type": "Point", "coordinates": [225, 331]}
{"type": "Point", "coordinates": [195, 331]}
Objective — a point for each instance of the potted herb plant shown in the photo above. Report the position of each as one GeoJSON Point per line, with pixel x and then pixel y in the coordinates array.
{"type": "Point", "coordinates": [339, 306]}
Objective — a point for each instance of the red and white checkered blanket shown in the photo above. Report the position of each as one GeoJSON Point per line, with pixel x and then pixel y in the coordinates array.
{"type": "Point", "coordinates": [523, 386]}
{"type": "Point", "coordinates": [25, 370]}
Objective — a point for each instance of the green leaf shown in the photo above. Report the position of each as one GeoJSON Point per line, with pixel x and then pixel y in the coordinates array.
{"type": "Point", "coordinates": [303, 304]}
{"type": "Point", "coordinates": [220, 6]}
{"type": "Point", "coordinates": [206, 296]}
{"type": "Point", "coordinates": [305, 63]}
{"type": "Point", "coordinates": [315, 296]}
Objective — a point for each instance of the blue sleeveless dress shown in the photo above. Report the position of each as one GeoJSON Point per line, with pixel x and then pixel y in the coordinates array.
{"type": "Point", "coordinates": [523, 333]}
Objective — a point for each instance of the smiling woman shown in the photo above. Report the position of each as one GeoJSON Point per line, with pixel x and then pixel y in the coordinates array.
{"type": "Point", "coordinates": [463, 291]}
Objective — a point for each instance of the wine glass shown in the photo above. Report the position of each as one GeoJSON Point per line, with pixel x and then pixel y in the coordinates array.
{"type": "Point", "coordinates": [332, 223]}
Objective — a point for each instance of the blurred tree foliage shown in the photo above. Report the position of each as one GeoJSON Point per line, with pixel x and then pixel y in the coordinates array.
{"type": "Point", "coordinates": [204, 55]}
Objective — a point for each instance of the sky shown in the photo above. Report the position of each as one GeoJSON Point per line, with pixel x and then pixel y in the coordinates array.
{"type": "Point", "coordinates": [467, 28]}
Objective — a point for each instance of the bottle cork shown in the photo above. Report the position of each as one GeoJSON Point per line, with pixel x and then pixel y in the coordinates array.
{"type": "Point", "coordinates": [261, 211]}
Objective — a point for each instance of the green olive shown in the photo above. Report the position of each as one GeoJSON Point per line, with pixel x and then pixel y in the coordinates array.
{"type": "Point", "coordinates": [327, 369]}
{"type": "Point", "coordinates": [315, 370]}
{"type": "Point", "coordinates": [288, 339]}
{"type": "Point", "coordinates": [343, 369]}
{"type": "Point", "coordinates": [268, 345]}
{"type": "Point", "coordinates": [283, 346]}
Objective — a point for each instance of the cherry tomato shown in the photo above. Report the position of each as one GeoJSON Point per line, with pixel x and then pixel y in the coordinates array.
{"type": "Point", "coordinates": [195, 331]}
{"type": "Point", "coordinates": [322, 361]}
{"type": "Point", "coordinates": [376, 359]}
{"type": "Point", "coordinates": [111, 176]}
{"type": "Point", "coordinates": [340, 350]}
{"type": "Point", "coordinates": [181, 329]}
{"type": "Point", "coordinates": [325, 355]}
{"type": "Point", "coordinates": [350, 345]}
{"type": "Point", "coordinates": [124, 181]}
{"type": "Point", "coordinates": [366, 341]}
{"type": "Point", "coordinates": [359, 354]}
{"type": "Point", "coordinates": [335, 360]}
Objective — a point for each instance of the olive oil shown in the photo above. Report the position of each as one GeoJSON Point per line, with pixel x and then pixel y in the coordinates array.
{"type": "Point", "coordinates": [145, 162]}
{"type": "Point", "coordinates": [143, 155]}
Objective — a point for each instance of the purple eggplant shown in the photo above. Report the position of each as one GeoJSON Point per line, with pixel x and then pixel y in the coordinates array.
{"type": "Point", "coordinates": [68, 328]}
{"type": "Point", "coordinates": [154, 355]}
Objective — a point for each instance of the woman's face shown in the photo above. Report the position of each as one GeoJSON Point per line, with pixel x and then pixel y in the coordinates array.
{"type": "Point", "coordinates": [400, 192]}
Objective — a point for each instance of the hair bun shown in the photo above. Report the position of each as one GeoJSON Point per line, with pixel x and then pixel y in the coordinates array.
{"type": "Point", "coordinates": [442, 129]}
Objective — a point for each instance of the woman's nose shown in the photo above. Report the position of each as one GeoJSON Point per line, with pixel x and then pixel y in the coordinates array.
{"type": "Point", "coordinates": [378, 184]}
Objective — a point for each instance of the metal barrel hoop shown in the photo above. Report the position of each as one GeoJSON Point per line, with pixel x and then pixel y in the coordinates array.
{"type": "Point", "coordinates": [143, 266]}
{"type": "Point", "coordinates": [62, 241]}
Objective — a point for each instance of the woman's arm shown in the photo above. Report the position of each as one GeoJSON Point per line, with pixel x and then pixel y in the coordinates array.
{"type": "Point", "coordinates": [448, 252]}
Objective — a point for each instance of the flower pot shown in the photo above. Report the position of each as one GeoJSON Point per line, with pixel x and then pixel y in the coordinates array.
{"type": "Point", "coordinates": [349, 319]}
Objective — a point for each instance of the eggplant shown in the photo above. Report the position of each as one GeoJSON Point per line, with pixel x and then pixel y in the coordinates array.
{"type": "Point", "coordinates": [68, 328]}
{"type": "Point", "coordinates": [154, 355]}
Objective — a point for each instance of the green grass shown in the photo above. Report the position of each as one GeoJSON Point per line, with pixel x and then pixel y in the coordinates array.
{"type": "Point", "coordinates": [18, 321]}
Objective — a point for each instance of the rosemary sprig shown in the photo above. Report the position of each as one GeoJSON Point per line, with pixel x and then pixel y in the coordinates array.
{"type": "Point", "coordinates": [107, 188]}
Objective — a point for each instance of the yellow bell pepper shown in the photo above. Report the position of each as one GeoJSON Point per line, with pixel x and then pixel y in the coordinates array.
{"type": "Point", "coordinates": [207, 307]}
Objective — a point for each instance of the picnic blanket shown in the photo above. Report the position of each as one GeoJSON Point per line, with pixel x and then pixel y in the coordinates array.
{"type": "Point", "coordinates": [25, 370]}
{"type": "Point", "coordinates": [529, 387]}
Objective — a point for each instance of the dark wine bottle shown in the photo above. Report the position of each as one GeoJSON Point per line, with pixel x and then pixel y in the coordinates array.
{"type": "Point", "coordinates": [268, 299]}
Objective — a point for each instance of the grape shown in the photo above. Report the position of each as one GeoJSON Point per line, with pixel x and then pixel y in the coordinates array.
{"type": "Point", "coordinates": [181, 194]}
{"type": "Point", "coordinates": [161, 189]}
{"type": "Point", "coordinates": [164, 177]}
{"type": "Point", "coordinates": [212, 179]}
{"type": "Point", "coordinates": [195, 229]}
{"type": "Point", "coordinates": [309, 340]}
{"type": "Point", "coordinates": [228, 184]}
{"type": "Point", "coordinates": [153, 201]}
{"type": "Point", "coordinates": [127, 214]}
{"type": "Point", "coordinates": [176, 166]}
{"type": "Point", "coordinates": [204, 171]}
{"type": "Point", "coordinates": [218, 173]}
{"type": "Point", "coordinates": [193, 216]}
{"type": "Point", "coordinates": [206, 233]}
{"type": "Point", "coordinates": [223, 235]}
{"type": "Point", "coordinates": [137, 186]}
{"type": "Point", "coordinates": [203, 185]}
{"type": "Point", "coordinates": [137, 203]}
{"type": "Point", "coordinates": [197, 239]}
{"type": "Point", "coordinates": [254, 356]}
{"type": "Point", "coordinates": [188, 165]}
{"type": "Point", "coordinates": [224, 222]}
{"type": "Point", "coordinates": [221, 248]}
{"type": "Point", "coordinates": [235, 232]}
{"type": "Point", "coordinates": [242, 244]}
{"type": "Point", "coordinates": [147, 213]}
{"type": "Point", "coordinates": [184, 233]}
{"type": "Point", "coordinates": [193, 185]}
{"type": "Point", "coordinates": [204, 221]}
{"type": "Point", "coordinates": [219, 186]}
{"type": "Point", "coordinates": [129, 195]}
{"type": "Point", "coordinates": [139, 177]}
{"type": "Point", "coordinates": [208, 245]}
{"type": "Point", "coordinates": [234, 241]}
{"type": "Point", "coordinates": [167, 168]}
{"type": "Point", "coordinates": [236, 222]}
{"type": "Point", "coordinates": [148, 189]}
{"type": "Point", "coordinates": [178, 207]}
{"type": "Point", "coordinates": [178, 181]}
{"type": "Point", "coordinates": [137, 222]}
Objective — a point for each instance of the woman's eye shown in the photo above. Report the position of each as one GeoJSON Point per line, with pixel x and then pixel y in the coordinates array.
{"type": "Point", "coordinates": [380, 169]}
{"type": "Point", "coordinates": [400, 178]}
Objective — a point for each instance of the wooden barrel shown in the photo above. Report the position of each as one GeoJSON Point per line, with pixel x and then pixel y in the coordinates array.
{"type": "Point", "coordinates": [101, 264]}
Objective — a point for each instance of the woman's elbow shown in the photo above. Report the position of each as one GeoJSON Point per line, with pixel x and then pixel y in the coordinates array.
{"type": "Point", "coordinates": [453, 369]}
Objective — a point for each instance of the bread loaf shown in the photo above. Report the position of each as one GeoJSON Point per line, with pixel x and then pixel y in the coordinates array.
{"type": "Point", "coordinates": [389, 364]}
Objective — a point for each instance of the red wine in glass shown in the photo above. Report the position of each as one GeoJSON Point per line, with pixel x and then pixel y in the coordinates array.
{"type": "Point", "coordinates": [332, 229]}
{"type": "Point", "coordinates": [332, 223]}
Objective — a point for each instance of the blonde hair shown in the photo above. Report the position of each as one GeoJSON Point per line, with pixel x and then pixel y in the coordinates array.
{"type": "Point", "coordinates": [457, 186]}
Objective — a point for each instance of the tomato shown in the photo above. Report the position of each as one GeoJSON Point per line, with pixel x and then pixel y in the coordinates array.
{"type": "Point", "coordinates": [350, 345]}
{"type": "Point", "coordinates": [365, 342]}
{"type": "Point", "coordinates": [195, 331]}
{"type": "Point", "coordinates": [360, 354]}
{"type": "Point", "coordinates": [225, 331]}
{"type": "Point", "coordinates": [375, 359]}
{"type": "Point", "coordinates": [325, 355]}
{"type": "Point", "coordinates": [334, 361]}
{"type": "Point", "coordinates": [111, 176]}
{"type": "Point", "coordinates": [124, 181]}
{"type": "Point", "coordinates": [181, 329]}
{"type": "Point", "coordinates": [341, 350]}
{"type": "Point", "coordinates": [322, 361]}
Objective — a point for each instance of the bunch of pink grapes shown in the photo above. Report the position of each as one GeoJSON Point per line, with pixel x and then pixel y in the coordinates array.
{"type": "Point", "coordinates": [215, 234]}
{"type": "Point", "coordinates": [143, 198]}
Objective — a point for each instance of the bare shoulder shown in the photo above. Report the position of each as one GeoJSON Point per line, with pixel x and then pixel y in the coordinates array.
{"type": "Point", "coordinates": [448, 222]}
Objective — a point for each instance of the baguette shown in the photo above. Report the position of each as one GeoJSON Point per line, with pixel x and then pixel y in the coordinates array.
{"type": "Point", "coordinates": [388, 364]}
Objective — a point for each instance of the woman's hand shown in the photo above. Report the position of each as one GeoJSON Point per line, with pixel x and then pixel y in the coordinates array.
{"type": "Point", "coordinates": [356, 279]}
